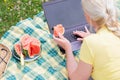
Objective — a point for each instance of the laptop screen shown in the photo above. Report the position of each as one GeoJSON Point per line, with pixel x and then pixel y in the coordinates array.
{"type": "Point", "coordinates": [66, 12]}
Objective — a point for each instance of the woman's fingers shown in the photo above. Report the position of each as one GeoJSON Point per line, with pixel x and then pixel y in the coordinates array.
{"type": "Point", "coordinates": [76, 32]}
{"type": "Point", "coordinates": [80, 39]}
{"type": "Point", "coordinates": [79, 33]}
{"type": "Point", "coordinates": [86, 29]}
{"type": "Point", "coordinates": [82, 33]}
{"type": "Point", "coordinates": [60, 36]}
{"type": "Point", "coordinates": [57, 40]}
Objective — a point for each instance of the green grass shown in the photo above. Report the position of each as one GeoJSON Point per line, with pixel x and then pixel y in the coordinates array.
{"type": "Point", "coordinates": [12, 11]}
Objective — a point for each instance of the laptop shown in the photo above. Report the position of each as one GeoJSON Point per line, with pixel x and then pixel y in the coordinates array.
{"type": "Point", "coordinates": [69, 13]}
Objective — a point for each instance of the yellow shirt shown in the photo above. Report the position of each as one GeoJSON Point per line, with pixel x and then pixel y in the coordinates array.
{"type": "Point", "coordinates": [102, 51]}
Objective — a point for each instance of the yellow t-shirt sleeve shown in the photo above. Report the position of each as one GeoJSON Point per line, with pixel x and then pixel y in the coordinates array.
{"type": "Point", "coordinates": [86, 54]}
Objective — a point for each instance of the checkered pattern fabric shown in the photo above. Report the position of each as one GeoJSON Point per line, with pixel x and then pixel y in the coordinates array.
{"type": "Point", "coordinates": [51, 65]}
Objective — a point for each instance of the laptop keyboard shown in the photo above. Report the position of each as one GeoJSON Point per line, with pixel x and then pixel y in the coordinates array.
{"type": "Point", "coordinates": [69, 33]}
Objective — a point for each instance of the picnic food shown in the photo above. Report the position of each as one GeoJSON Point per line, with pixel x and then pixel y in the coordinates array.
{"type": "Point", "coordinates": [59, 29]}
{"type": "Point", "coordinates": [31, 46]}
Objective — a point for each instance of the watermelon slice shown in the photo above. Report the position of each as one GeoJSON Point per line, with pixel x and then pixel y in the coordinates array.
{"type": "Point", "coordinates": [17, 48]}
{"type": "Point", "coordinates": [34, 47]}
{"type": "Point", "coordinates": [31, 46]}
{"type": "Point", "coordinates": [25, 40]}
{"type": "Point", "coordinates": [58, 29]}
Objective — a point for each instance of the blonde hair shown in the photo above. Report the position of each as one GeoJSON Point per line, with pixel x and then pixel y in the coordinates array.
{"type": "Point", "coordinates": [103, 12]}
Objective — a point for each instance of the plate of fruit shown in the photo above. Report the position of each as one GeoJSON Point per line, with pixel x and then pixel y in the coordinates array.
{"type": "Point", "coordinates": [28, 47]}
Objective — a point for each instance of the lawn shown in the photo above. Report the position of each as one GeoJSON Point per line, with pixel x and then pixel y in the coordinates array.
{"type": "Point", "coordinates": [12, 11]}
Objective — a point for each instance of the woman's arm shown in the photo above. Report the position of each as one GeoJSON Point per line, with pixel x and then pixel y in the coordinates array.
{"type": "Point", "coordinates": [71, 62]}
{"type": "Point", "coordinates": [76, 71]}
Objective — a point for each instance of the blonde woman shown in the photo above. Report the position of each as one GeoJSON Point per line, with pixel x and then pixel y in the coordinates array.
{"type": "Point", "coordinates": [100, 52]}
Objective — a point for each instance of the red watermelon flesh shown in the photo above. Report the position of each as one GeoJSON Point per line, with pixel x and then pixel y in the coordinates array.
{"type": "Point", "coordinates": [25, 40]}
{"type": "Point", "coordinates": [34, 48]}
{"type": "Point", "coordinates": [31, 44]}
{"type": "Point", "coordinates": [17, 48]}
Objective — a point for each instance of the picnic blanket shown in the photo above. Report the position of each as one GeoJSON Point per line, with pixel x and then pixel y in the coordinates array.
{"type": "Point", "coordinates": [51, 64]}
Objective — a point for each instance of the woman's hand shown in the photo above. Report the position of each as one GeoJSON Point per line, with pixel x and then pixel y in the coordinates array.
{"type": "Point", "coordinates": [82, 34]}
{"type": "Point", "coordinates": [62, 42]}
